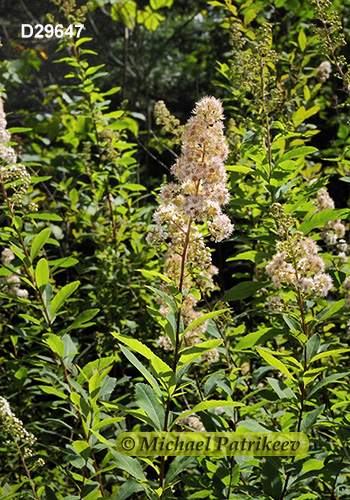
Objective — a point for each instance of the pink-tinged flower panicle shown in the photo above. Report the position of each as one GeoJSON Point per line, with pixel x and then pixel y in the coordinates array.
{"type": "Point", "coordinates": [201, 187]}
{"type": "Point", "coordinates": [299, 266]}
{"type": "Point", "coordinates": [197, 196]}
{"type": "Point", "coordinates": [296, 262]}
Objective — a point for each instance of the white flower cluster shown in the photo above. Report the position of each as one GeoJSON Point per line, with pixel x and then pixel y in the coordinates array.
{"type": "Point", "coordinates": [10, 171]}
{"type": "Point", "coordinates": [334, 230]}
{"type": "Point", "coordinates": [323, 71]}
{"type": "Point", "coordinates": [296, 263]}
{"type": "Point", "coordinates": [11, 283]}
{"type": "Point", "coordinates": [13, 426]}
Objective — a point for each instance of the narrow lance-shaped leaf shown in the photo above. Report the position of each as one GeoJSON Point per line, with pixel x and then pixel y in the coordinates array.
{"type": "Point", "coordinates": [147, 400]}
{"type": "Point", "coordinates": [166, 298]}
{"type": "Point", "coordinates": [39, 241]}
{"type": "Point", "coordinates": [320, 219]}
{"type": "Point", "coordinates": [55, 343]}
{"type": "Point", "coordinates": [161, 368]}
{"type": "Point", "coordinates": [42, 273]}
{"type": "Point", "coordinates": [276, 363]}
{"type": "Point", "coordinates": [204, 318]}
{"type": "Point", "coordinates": [148, 376]}
{"type": "Point", "coordinates": [61, 297]}
{"type": "Point", "coordinates": [83, 318]}
{"type": "Point", "coordinates": [242, 291]}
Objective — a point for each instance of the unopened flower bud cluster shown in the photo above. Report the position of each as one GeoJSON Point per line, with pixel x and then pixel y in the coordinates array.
{"type": "Point", "coordinates": [11, 172]}
{"type": "Point", "coordinates": [14, 428]}
{"type": "Point", "coordinates": [170, 124]}
{"type": "Point", "coordinates": [11, 284]}
{"type": "Point", "coordinates": [296, 262]}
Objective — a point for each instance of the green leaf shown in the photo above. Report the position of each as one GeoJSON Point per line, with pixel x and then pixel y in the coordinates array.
{"type": "Point", "coordinates": [160, 4]}
{"type": "Point", "coordinates": [64, 262]}
{"type": "Point", "coordinates": [147, 400]}
{"type": "Point", "coordinates": [95, 385]}
{"type": "Point", "coordinates": [320, 219]}
{"type": "Point", "coordinates": [83, 317]}
{"type": "Point", "coordinates": [255, 338]}
{"type": "Point", "coordinates": [178, 465]}
{"type": "Point", "coordinates": [203, 318]}
{"type": "Point", "coordinates": [161, 368]}
{"type": "Point", "coordinates": [296, 153]}
{"type": "Point", "coordinates": [30, 318]}
{"type": "Point", "coordinates": [310, 375]}
{"type": "Point", "coordinates": [93, 69]}
{"type": "Point", "coordinates": [18, 130]}
{"type": "Point", "coordinates": [302, 40]}
{"type": "Point", "coordinates": [327, 354]}
{"type": "Point", "coordinates": [55, 343]}
{"type": "Point", "coordinates": [81, 41]}
{"type": "Point", "coordinates": [129, 464]}
{"type": "Point", "coordinates": [51, 390]}
{"type": "Point", "coordinates": [276, 363]}
{"type": "Point", "coordinates": [312, 346]}
{"type": "Point", "coordinates": [252, 255]}
{"type": "Point", "coordinates": [147, 273]}
{"type": "Point", "coordinates": [302, 114]}
{"type": "Point", "coordinates": [330, 311]}
{"type": "Point", "coordinates": [281, 389]}
{"type": "Point", "coordinates": [42, 273]}
{"type": "Point", "coordinates": [171, 303]}
{"type": "Point", "coordinates": [327, 380]}
{"type": "Point", "coordinates": [148, 376]}
{"type": "Point", "coordinates": [271, 480]}
{"type": "Point", "coordinates": [295, 327]}
{"type": "Point", "coordinates": [41, 216]}
{"type": "Point", "coordinates": [134, 187]}
{"type": "Point", "coordinates": [61, 297]}
{"type": "Point", "coordinates": [83, 448]}
{"type": "Point", "coordinates": [128, 488]}
{"type": "Point", "coordinates": [107, 421]}
{"type": "Point", "coordinates": [312, 464]}
{"type": "Point", "coordinates": [39, 241]}
{"type": "Point", "coordinates": [70, 349]}
{"type": "Point", "coordinates": [309, 420]}
{"type": "Point", "coordinates": [243, 290]}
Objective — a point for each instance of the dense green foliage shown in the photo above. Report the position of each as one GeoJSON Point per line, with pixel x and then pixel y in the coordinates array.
{"type": "Point", "coordinates": [104, 331]}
